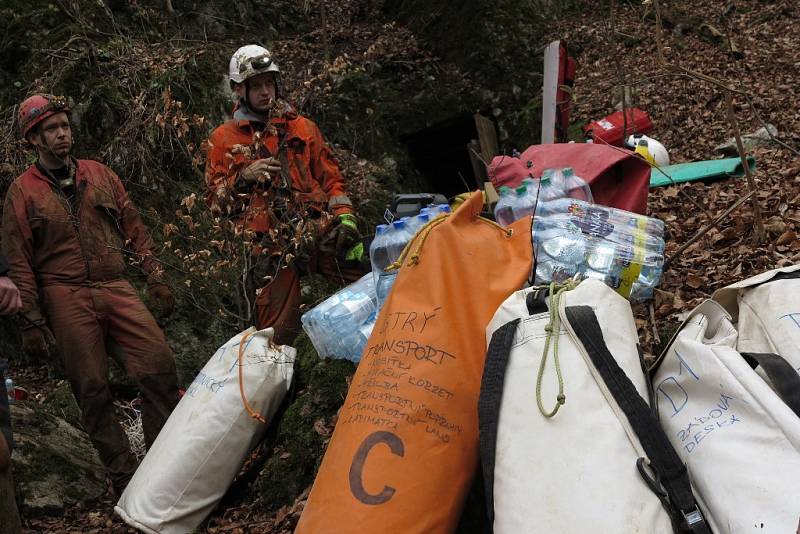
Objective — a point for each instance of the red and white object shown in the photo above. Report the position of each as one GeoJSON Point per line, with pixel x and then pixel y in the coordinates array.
{"type": "Point", "coordinates": [614, 128]}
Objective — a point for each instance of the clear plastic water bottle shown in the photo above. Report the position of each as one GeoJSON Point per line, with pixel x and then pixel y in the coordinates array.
{"type": "Point", "coordinates": [589, 241]}
{"type": "Point", "coordinates": [10, 391]}
{"type": "Point", "coordinates": [522, 203]}
{"type": "Point", "coordinates": [576, 187]}
{"type": "Point", "coordinates": [504, 209]}
{"type": "Point", "coordinates": [443, 208]}
{"type": "Point", "coordinates": [398, 240]}
{"type": "Point", "coordinates": [378, 254]}
{"type": "Point", "coordinates": [418, 221]}
{"type": "Point", "coordinates": [549, 192]}
{"type": "Point", "coordinates": [337, 325]}
{"type": "Point", "coordinates": [353, 310]}
{"type": "Point", "coordinates": [356, 341]}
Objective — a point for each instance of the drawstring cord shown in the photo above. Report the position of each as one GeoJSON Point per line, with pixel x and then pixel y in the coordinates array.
{"type": "Point", "coordinates": [553, 328]}
{"type": "Point", "coordinates": [422, 235]}
{"type": "Point", "coordinates": [254, 414]}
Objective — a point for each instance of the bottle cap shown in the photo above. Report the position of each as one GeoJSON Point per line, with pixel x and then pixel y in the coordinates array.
{"type": "Point", "coordinates": [567, 171]}
{"type": "Point", "coordinates": [381, 228]}
{"type": "Point", "coordinates": [399, 225]}
{"type": "Point", "coordinates": [521, 190]}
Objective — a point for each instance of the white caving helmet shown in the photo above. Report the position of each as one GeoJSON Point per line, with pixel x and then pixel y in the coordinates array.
{"type": "Point", "coordinates": [655, 150]}
{"type": "Point", "coordinates": [249, 61]}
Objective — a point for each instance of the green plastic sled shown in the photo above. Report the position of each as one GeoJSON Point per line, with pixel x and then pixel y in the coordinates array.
{"type": "Point", "coordinates": [715, 169]}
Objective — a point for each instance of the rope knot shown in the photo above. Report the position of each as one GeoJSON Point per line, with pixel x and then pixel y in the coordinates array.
{"type": "Point", "coordinates": [561, 399]}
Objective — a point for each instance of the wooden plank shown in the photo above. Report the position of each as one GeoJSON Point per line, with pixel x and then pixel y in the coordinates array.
{"type": "Point", "coordinates": [479, 170]}
{"type": "Point", "coordinates": [487, 137]}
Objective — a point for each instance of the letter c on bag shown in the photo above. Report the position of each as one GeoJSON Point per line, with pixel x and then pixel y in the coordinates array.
{"type": "Point", "coordinates": [360, 457]}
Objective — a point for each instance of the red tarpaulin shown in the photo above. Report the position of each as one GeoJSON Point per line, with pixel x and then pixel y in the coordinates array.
{"type": "Point", "coordinates": [617, 177]}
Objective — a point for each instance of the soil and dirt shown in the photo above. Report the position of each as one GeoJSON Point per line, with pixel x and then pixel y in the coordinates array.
{"type": "Point", "coordinates": [149, 85]}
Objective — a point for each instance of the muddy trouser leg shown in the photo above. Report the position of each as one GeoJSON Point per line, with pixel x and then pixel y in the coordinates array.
{"type": "Point", "coordinates": [9, 516]}
{"type": "Point", "coordinates": [278, 306]}
{"type": "Point", "coordinates": [147, 357]}
{"type": "Point", "coordinates": [78, 317]}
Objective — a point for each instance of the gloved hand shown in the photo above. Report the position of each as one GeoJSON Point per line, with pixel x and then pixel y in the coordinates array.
{"type": "Point", "coordinates": [356, 253]}
{"type": "Point", "coordinates": [10, 301]}
{"type": "Point", "coordinates": [257, 170]}
{"type": "Point", "coordinates": [161, 295]}
{"type": "Point", "coordinates": [344, 235]}
{"type": "Point", "coordinates": [36, 342]}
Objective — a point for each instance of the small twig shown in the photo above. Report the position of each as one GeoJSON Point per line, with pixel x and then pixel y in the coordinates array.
{"type": "Point", "coordinates": [703, 231]}
{"type": "Point", "coordinates": [656, 337]}
{"type": "Point", "coordinates": [750, 182]}
{"type": "Point", "coordinates": [765, 126]}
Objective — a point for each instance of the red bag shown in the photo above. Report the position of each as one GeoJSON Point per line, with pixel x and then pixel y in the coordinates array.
{"type": "Point", "coordinates": [609, 130]}
{"type": "Point", "coordinates": [616, 176]}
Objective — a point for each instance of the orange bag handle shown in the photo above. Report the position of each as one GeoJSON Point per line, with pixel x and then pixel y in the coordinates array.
{"type": "Point", "coordinates": [254, 414]}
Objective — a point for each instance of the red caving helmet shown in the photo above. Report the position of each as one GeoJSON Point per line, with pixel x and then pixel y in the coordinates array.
{"type": "Point", "coordinates": [37, 108]}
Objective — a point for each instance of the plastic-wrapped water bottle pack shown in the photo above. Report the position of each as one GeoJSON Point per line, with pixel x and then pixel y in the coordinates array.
{"type": "Point", "coordinates": [573, 238]}
{"type": "Point", "coordinates": [340, 326]}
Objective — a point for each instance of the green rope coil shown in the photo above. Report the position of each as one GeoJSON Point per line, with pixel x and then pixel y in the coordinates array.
{"type": "Point", "coordinates": [553, 328]}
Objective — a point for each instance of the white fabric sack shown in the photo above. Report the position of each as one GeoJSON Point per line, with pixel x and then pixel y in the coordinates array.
{"type": "Point", "coordinates": [208, 436]}
{"type": "Point", "coordinates": [575, 472]}
{"type": "Point", "coordinates": [766, 312]}
{"type": "Point", "coordinates": [738, 439]}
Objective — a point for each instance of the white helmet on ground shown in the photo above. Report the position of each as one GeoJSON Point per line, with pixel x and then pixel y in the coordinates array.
{"type": "Point", "coordinates": [249, 61]}
{"type": "Point", "coordinates": [654, 149]}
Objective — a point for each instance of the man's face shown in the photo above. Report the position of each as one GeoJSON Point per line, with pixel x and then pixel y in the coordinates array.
{"type": "Point", "coordinates": [261, 91]}
{"type": "Point", "coordinates": [54, 132]}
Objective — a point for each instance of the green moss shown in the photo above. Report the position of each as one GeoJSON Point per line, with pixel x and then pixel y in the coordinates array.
{"type": "Point", "coordinates": [60, 402]}
{"type": "Point", "coordinates": [298, 451]}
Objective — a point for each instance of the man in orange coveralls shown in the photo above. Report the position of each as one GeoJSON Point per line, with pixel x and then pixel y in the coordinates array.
{"type": "Point", "coordinates": [268, 148]}
{"type": "Point", "coordinates": [67, 224]}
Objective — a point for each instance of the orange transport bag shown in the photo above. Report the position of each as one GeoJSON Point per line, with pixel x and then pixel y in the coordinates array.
{"type": "Point", "coordinates": [405, 448]}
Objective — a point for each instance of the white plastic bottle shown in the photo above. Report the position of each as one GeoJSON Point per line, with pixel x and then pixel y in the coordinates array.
{"type": "Point", "coordinates": [10, 391]}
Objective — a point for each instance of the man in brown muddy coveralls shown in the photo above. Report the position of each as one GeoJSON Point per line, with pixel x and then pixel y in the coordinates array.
{"type": "Point", "coordinates": [67, 226]}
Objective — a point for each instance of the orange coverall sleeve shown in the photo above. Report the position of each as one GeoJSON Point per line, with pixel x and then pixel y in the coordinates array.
{"type": "Point", "coordinates": [18, 250]}
{"type": "Point", "coordinates": [220, 178]}
{"type": "Point", "coordinates": [135, 231]}
{"type": "Point", "coordinates": [326, 170]}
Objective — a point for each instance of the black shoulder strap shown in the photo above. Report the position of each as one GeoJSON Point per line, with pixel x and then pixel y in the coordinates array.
{"type": "Point", "coordinates": [784, 378]}
{"type": "Point", "coordinates": [491, 396]}
{"type": "Point", "coordinates": [784, 276]}
{"type": "Point", "coordinates": [669, 469]}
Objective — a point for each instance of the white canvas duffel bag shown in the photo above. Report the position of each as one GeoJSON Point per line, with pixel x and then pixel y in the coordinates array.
{"type": "Point", "coordinates": [568, 442]}
{"type": "Point", "coordinates": [733, 428]}
{"type": "Point", "coordinates": [209, 434]}
{"type": "Point", "coordinates": [766, 312]}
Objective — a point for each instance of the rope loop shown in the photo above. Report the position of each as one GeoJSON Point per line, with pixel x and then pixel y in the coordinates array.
{"type": "Point", "coordinates": [553, 329]}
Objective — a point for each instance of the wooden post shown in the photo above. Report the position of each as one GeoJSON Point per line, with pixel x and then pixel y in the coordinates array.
{"type": "Point", "coordinates": [549, 92]}
{"type": "Point", "coordinates": [751, 185]}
